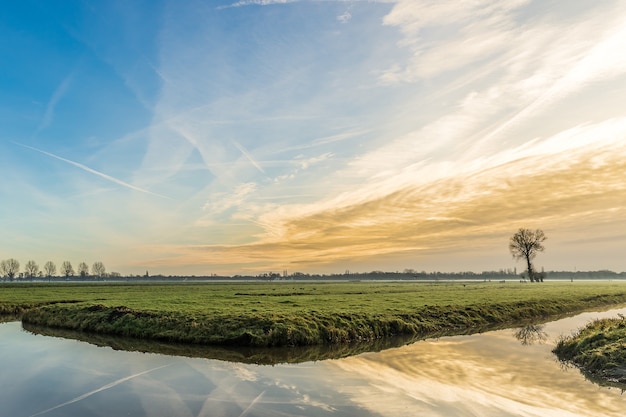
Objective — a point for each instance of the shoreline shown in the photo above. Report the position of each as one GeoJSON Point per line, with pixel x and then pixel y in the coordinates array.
{"type": "Point", "coordinates": [598, 350]}
{"type": "Point", "coordinates": [266, 315]}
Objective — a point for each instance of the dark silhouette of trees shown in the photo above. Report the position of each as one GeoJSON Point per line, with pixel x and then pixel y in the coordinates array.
{"type": "Point", "coordinates": [524, 245]}
{"type": "Point", "coordinates": [31, 269]}
{"type": "Point", "coordinates": [83, 269]}
{"type": "Point", "coordinates": [9, 268]}
{"type": "Point", "coordinates": [67, 269]}
{"type": "Point", "coordinates": [49, 269]}
{"type": "Point", "coordinates": [98, 270]}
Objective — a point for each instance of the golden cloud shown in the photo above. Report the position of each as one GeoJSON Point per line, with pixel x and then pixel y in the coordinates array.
{"type": "Point", "coordinates": [578, 189]}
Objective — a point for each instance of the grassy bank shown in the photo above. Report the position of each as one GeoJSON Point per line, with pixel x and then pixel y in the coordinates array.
{"type": "Point", "coordinates": [599, 349]}
{"type": "Point", "coordinates": [289, 314]}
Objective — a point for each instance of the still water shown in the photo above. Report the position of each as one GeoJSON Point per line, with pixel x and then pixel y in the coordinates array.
{"type": "Point", "coordinates": [499, 373]}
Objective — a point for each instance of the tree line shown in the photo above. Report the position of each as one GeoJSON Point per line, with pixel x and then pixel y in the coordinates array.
{"type": "Point", "coordinates": [10, 270]}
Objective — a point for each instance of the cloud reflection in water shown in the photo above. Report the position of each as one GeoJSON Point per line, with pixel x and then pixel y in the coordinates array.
{"type": "Point", "coordinates": [485, 375]}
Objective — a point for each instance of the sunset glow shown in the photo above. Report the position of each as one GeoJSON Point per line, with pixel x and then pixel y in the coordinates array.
{"type": "Point", "coordinates": [243, 137]}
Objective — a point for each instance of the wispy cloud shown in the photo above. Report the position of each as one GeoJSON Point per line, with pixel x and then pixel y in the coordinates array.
{"type": "Point", "coordinates": [305, 163]}
{"type": "Point", "coordinates": [570, 179]}
{"type": "Point", "coordinates": [93, 171]}
{"type": "Point", "coordinates": [58, 94]}
{"type": "Point", "coordinates": [601, 62]}
{"type": "Point", "coordinates": [414, 128]}
{"type": "Point", "coordinates": [345, 16]}
{"type": "Point", "coordinates": [466, 42]}
{"type": "Point", "coordinates": [220, 202]}
{"type": "Point", "coordinates": [257, 3]}
{"type": "Point", "coordinates": [450, 163]}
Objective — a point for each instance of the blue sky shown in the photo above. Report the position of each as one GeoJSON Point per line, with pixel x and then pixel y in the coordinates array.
{"type": "Point", "coordinates": [229, 137]}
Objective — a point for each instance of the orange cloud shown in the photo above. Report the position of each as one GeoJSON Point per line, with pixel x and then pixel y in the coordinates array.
{"type": "Point", "coordinates": [576, 190]}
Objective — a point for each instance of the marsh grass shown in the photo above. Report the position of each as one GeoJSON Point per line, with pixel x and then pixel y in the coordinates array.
{"type": "Point", "coordinates": [598, 349]}
{"type": "Point", "coordinates": [296, 314]}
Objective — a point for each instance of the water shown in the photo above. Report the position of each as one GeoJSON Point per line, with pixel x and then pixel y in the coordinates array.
{"type": "Point", "coordinates": [490, 374]}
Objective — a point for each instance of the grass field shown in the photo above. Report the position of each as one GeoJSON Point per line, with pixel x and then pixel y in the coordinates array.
{"type": "Point", "coordinates": [293, 313]}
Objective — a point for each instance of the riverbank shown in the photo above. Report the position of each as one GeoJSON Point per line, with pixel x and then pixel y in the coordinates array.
{"type": "Point", "coordinates": [296, 314]}
{"type": "Point", "coordinates": [598, 349]}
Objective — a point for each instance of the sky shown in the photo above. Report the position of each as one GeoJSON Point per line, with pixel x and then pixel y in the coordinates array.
{"type": "Point", "coordinates": [319, 136]}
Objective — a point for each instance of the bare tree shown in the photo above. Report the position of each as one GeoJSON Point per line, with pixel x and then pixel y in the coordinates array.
{"type": "Point", "coordinates": [524, 245]}
{"type": "Point", "coordinates": [98, 270]}
{"type": "Point", "coordinates": [83, 269]}
{"type": "Point", "coordinates": [31, 268]}
{"type": "Point", "coordinates": [67, 269]}
{"type": "Point", "coordinates": [49, 269]}
{"type": "Point", "coordinates": [9, 268]}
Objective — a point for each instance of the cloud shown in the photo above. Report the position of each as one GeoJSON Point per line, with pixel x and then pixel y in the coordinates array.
{"type": "Point", "coordinates": [489, 32]}
{"type": "Point", "coordinates": [307, 162]}
{"type": "Point", "coordinates": [222, 202]}
{"type": "Point", "coordinates": [302, 163]}
{"type": "Point", "coordinates": [474, 31]}
{"type": "Point", "coordinates": [601, 62]}
{"type": "Point", "coordinates": [345, 17]}
{"type": "Point", "coordinates": [243, 3]}
{"type": "Point", "coordinates": [93, 171]}
{"type": "Point", "coordinates": [325, 147]}
{"type": "Point", "coordinates": [572, 181]}
{"type": "Point", "coordinates": [58, 94]}
{"type": "Point", "coordinates": [510, 83]}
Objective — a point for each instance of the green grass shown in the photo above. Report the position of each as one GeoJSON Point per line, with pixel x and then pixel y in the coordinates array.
{"type": "Point", "coordinates": [599, 349]}
{"type": "Point", "coordinates": [288, 313]}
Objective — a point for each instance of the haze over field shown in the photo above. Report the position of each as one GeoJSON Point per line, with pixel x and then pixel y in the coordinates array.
{"type": "Point", "coordinates": [201, 136]}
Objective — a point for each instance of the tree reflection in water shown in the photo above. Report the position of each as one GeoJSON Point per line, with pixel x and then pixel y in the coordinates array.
{"type": "Point", "coordinates": [531, 334]}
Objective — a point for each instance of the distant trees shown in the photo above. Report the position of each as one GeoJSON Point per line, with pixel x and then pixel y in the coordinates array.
{"type": "Point", "coordinates": [67, 269]}
{"type": "Point", "coordinates": [9, 268]}
{"type": "Point", "coordinates": [524, 245]}
{"type": "Point", "coordinates": [98, 270]}
{"type": "Point", "coordinates": [83, 269]}
{"type": "Point", "coordinates": [31, 269]}
{"type": "Point", "coordinates": [49, 269]}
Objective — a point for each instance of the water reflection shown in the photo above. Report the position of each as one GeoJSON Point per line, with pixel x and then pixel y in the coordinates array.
{"type": "Point", "coordinates": [52, 377]}
{"type": "Point", "coordinates": [531, 334]}
{"type": "Point", "coordinates": [481, 375]}
{"type": "Point", "coordinates": [490, 374]}
{"type": "Point", "coordinates": [253, 355]}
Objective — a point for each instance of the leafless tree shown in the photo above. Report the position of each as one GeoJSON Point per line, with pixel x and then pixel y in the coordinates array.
{"type": "Point", "coordinates": [49, 269]}
{"type": "Point", "coordinates": [98, 269]}
{"type": "Point", "coordinates": [9, 268]}
{"type": "Point", "coordinates": [67, 269]}
{"type": "Point", "coordinates": [31, 268]}
{"type": "Point", "coordinates": [524, 245]}
{"type": "Point", "coordinates": [83, 269]}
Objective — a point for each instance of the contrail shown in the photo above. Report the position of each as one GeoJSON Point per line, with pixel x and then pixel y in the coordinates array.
{"type": "Point", "coordinates": [103, 388]}
{"type": "Point", "coordinates": [250, 158]}
{"type": "Point", "coordinates": [93, 171]}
